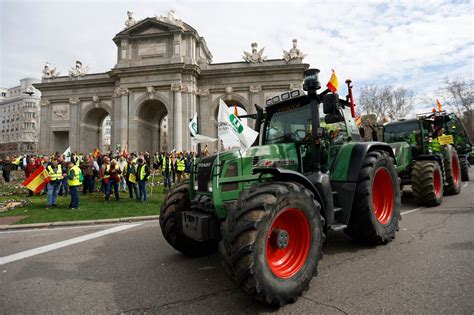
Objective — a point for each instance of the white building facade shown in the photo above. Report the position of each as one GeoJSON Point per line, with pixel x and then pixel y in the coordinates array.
{"type": "Point", "coordinates": [19, 117]}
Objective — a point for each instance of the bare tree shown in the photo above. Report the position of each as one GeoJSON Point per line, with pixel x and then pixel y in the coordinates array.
{"type": "Point", "coordinates": [385, 101]}
{"type": "Point", "coordinates": [460, 97]}
{"type": "Point", "coordinates": [402, 103]}
{"type": "Point", "coordinates": [372, 102]}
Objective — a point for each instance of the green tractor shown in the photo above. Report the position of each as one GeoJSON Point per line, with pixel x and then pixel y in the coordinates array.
{"type": "Point", "coordinates": [268, 209]}
{"type": "Point", "coordinates": [431, 155]}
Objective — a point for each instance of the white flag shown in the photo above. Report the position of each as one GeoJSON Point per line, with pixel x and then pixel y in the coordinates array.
{"type": "Point", "coordinates": [230, 124]}
{"type": "Point", "coordinates": [193, 125]}
{"type": "Point", "coordinates": [67, 154]}
{"type": "Point", "coordinates": [197, 138]}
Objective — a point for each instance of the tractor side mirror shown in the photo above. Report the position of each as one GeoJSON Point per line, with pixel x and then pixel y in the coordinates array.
{"type": "Point", "coordinates": [330, 103]}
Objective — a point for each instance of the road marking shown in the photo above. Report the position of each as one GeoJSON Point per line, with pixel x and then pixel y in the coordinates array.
{"type": "Point", "coordinates": [412, 210]}
{"type": "Point", "coordinates": [465, 184]}
{"type": "Point", "coordinates": [47, 248]}
{"type": "Point", "coordinates": [59, 228]}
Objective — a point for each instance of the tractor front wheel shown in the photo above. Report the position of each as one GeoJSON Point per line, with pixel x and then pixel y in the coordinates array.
{"type": "Point", "coordinates": [376, 207]}
{"type": "Point", "coordinates": [464, 168]}
{"type": "Point", "coordinates": [175, 202]}
{"type": "Point", "coordinates": [453, 173]}
{"type": "Point", "coordinates": [271, 244]}
{"type": "Point", "coordinates": [427, 183]}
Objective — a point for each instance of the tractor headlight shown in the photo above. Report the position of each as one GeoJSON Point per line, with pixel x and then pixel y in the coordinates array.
{"type": "Point", "coordinates": [209, 186]}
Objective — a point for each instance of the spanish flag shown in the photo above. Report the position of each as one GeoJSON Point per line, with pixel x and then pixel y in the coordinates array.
{"type": "Point", "coordinates": [37, 180]}
{"type": "Point", "coordinates": [96, 153]}
{"type": "Point", "coordinates": [440, 107]}
{"type": "Point", "coordinates": [333, 85]}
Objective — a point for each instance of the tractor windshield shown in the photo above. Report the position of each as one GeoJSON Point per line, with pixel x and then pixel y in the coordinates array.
{"type": "Point", "coordinates": [289, 124]}
{"type": "Point", "coordinates": [400, 132]}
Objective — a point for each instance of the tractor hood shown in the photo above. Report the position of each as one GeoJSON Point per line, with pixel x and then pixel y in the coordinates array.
{"type": "Point", "coordinates": [235, 163]}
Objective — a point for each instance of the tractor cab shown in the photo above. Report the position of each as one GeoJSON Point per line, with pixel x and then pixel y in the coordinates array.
{"type": "Point", "coordinates": [293, 116]}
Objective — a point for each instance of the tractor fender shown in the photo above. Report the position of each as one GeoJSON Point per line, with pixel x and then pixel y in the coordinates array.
{"type": "Point", "coordinates": [318, 183]}
{"type": "Point", "coordinates": [350, 158]}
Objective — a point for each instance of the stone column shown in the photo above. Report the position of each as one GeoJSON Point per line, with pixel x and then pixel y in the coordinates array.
{"type": "Point", "coordinates": [177, 56]}
{"type": "Point", "coordinates": [45, 142]}
{"type": "Point", "coordinates": [255, 91]}
{"type": "Point", "coordinates": [120, 117]}
{"type": "Point", "coordinates": [75, 130]}
{"type": "Point", "coordinates": [178, 117]}
{"type": "Point", "coordinates": [206, 120]}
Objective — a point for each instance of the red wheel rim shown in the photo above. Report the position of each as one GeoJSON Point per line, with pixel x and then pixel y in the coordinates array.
{"type": "Point", "coordinates": [455, 164]}
{"type": "Point", "coordinates": [383, 195]}
{"type": "Point", "coordinates": [286, 262]}
{"type": "Point", "coordinates": [437, 183]}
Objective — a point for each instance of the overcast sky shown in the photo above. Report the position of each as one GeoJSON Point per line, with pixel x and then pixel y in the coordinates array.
{"type": "Point", "coordinates": [414, 44]}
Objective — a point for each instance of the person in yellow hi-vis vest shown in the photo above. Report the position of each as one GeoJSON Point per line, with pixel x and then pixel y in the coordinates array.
{"type": "Point", "coordinates": [435, 145]}
{"type": "Point", "coordinates": [74, 181]}
{"type": "Point", "coordinates": [130, 174]}
{"type": "Point", "coordinates": [142, 172]}
{"type": "Point", "coordinates": [180, 166]}
{"type": "Point", "coordinates": [55, 173]}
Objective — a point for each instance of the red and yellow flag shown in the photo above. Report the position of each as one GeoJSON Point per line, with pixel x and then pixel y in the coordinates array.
{"type": "Point", "coordinates": [333, 84]}
{"type": "Point", "coordinates": [236, 112]}
{"type": "Point", "coordinates": [440, 107]}
{"type": "Point", "coordinates": [359, 121]}
{"type": "Point", "coordinates": [37, 180]}
{"type": "Point", "coordinates": [96, 153]}
{"type": "Point", "coordinates": [124, 152]}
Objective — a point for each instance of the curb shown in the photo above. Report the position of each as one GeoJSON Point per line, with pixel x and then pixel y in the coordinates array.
{"type": "Point", "coordinates": [49, 225]}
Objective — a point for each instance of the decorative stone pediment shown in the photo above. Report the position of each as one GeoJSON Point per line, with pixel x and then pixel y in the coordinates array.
{"type": "Point", "coordinates": [148, 26]}
{"type": "Point", "coordinates": [153, 31]}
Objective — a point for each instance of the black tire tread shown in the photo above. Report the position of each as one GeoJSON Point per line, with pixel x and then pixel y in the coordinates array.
{"type": "Point", "coordinates": [464, 168]}
{"type": "Point", "coordinates": [422, 183]}
{"type": "Point", "coordinates": [360, 225]}
{"type": "Point", "coordinates": [450, 187]}
{"type": "Point", "coordinates": [175, 202]}
{"type": "Point", "coordinates": [239, 236]}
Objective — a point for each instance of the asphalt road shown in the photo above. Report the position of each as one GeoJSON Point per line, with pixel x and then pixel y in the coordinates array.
{"type": "Point", "coordinates": [429, 268]}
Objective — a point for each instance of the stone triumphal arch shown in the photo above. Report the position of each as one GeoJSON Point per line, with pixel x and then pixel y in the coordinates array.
{"type": "Point", "coordinates": [163, 75]}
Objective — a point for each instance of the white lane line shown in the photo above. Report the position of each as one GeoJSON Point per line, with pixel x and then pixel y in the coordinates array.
{"type": "Point", "coordinates": [412, 210]}
{"type": "Point", "coordinates": [47, 248]}
{"type": "Point", "coordinates": [59, 228]}
{"type": "Point", "coordinates": [465, 184]}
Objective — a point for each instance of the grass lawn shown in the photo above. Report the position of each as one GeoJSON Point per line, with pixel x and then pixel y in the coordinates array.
{"type": "Point", "coordinates": [91, 206]}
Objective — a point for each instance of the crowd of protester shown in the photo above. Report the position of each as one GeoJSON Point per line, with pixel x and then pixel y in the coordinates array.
{"type": "Point", "coordinates": [102, 173]}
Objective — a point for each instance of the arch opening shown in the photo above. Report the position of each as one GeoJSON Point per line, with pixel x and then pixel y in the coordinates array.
{"type": "Point", "coordinates": [152, 127]}
{"type": "Point", "coordinates": [96, 130]}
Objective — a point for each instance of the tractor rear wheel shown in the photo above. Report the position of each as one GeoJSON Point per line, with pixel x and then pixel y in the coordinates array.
{"type": "Point", "coordinates": [175, 202]}
{"type": "Point", "coordinates": [427, 183]}
{"type": "Point", "coordinates": [464, 168]}
{"type": "Point", "coordinates": [271, 244]}
{"type": "Point", "coordinates": [376, 207]}
{"type": "Point", "coordinates": [453, 173]}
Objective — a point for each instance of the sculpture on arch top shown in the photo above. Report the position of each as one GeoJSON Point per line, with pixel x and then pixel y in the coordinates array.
{"type": "Point", "coordinates": [130, 20]}
{"type": "Point", "coordinates": [294, 53]}
{"type": "Point", "coordinates": [78, 70]}
{"type": "Point", "coordinates": [255, 55]}
{"type": "Point", "coordinates": [171, 19]}
{"type": "Point", "coordinates": [49, 72]}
